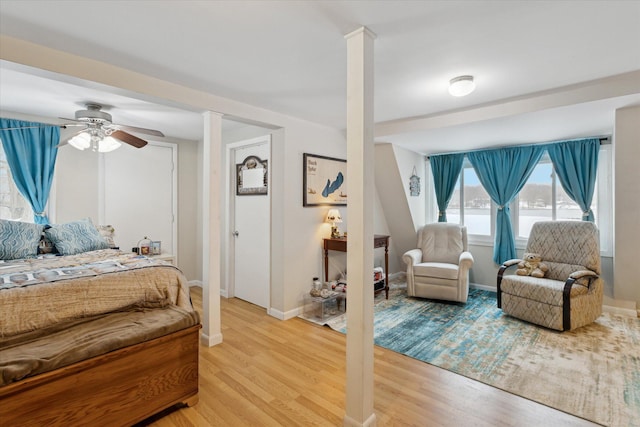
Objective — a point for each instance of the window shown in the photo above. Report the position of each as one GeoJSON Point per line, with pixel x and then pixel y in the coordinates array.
{"type": "Point", "coordinates": [476, 212]}
{"type": "Point", "coordinates": [13, 205]}
{"type": "Point", "coordinates": [541, 199]}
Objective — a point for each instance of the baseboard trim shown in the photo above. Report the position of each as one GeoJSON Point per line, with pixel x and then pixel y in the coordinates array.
{"type": "Point", "coordinates": [483, 287]}
{"type": "Point", "coordinates": [284, 315]}
{"type": "Point", "coordinates": [621, 311]}
{"type": "Point", "coordinates": [369, 422]}
{"type": "Point", "coordinates": [198, 283]}
{"type": "Point", "coordinates": [397, 275]}
{"type": "Point", "coordinates": [210, 341]}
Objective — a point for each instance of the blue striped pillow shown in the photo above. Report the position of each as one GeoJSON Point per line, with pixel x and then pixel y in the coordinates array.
{"type": "Point", "coordinates": [76, 237]}
{"type": "Point", "coordinates": [19, 239]}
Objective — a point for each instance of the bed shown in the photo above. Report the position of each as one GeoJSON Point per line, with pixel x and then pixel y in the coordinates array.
{"type": "Point", "coordinates": [100, 337]}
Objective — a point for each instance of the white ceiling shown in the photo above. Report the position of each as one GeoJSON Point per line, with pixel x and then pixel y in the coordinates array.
{"type": "Point", "coordinates": [290, 57]}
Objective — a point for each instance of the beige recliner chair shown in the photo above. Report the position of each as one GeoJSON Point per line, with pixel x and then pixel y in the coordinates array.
{"type": "Point", "coordinates": [570, 294]}
{"type": "Point", "coordinates": [439, 267]}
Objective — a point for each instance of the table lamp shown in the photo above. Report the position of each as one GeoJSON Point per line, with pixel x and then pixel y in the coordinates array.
{"type": "Point", "coordinates": [333, 216]}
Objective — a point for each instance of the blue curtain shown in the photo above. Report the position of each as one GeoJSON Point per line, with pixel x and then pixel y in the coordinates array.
{"type": "Point", "coordinates": [446, 170]}
{"type": "Point", "coordinates": [503, 172]}
{"type": "Point", "coordinates": [31, 150]}
{"type": "Point", "coordinates": [576, 164]}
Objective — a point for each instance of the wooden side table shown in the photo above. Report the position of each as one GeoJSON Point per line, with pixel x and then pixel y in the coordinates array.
{"type": "Point", "coordinates": [340, 245]}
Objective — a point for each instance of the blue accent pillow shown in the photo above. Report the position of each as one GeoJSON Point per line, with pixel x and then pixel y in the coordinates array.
{"type": "Point", "coordinates": [76, 237]}
{"type": "Point", "coordinates": [19, 239]}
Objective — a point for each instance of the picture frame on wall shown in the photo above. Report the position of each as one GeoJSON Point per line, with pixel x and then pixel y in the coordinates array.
{"type": "Point", "coordinates": [324, 181]}
{"type": "Point", "coordinates": [252, 177]}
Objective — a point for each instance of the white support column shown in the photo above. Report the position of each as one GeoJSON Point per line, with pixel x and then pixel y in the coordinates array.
{"type": "Point", "coordinates": [212, 168]}
{"type": "Point", "coordinates": [360, 188]}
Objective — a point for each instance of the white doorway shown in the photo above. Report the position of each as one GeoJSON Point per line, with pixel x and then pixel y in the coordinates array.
{"type": "Point", "coordinates": [250, 222]}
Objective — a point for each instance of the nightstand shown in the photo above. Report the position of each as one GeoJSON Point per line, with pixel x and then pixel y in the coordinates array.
{"type": "Point", "coordinates": [164, 257]}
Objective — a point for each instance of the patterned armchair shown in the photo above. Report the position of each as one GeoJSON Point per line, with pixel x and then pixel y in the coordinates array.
{"type": "Point", "coordinates": [439, 267]}
{"type": "Point", "coordinates": [570, 294]}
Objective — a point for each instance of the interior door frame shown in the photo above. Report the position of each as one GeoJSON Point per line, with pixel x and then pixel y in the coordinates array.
{"type": "Point", "coordinates": [229, 241]}
{"type": "Point", "coordinates": [174, 192]}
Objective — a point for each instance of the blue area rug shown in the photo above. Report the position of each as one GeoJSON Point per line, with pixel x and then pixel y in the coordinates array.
{"type": "Point", "coordinates": [592, 372]}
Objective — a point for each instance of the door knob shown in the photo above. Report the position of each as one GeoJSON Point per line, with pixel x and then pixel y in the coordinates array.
{"type": "Point", "coordinates": [236, 233]}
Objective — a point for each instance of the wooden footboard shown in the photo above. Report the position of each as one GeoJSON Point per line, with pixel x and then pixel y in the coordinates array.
{"type": "Point", "coordinates": [119, 388]}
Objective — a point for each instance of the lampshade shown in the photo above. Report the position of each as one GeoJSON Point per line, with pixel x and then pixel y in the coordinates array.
{"type": "Point", "coordinates": [334, 216]}
{"type": "Point", "coordinates": [96, 140]}
{"type": "Point", "coordinates": [81, 141]}
{"type": "Point", "coordinates": [461, 86]}
{"type": "Point", "coordinates": [108, 144]}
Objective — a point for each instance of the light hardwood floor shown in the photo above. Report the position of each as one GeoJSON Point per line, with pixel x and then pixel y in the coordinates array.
{"type": "Point", "coordinates": [269, 372]}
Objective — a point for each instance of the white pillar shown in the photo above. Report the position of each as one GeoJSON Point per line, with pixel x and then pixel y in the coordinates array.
{"type": "Point", "coordinates": [360, 188]}
{"type": "Point", "coordinates": [211, 228]}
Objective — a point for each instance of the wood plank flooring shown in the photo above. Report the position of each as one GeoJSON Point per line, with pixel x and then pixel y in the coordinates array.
{"type": "Point", "coordinates": [269, 372]}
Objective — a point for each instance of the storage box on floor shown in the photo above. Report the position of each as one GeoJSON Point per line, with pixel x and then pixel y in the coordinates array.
{"type": "Point", "coordinates": [322, 309]}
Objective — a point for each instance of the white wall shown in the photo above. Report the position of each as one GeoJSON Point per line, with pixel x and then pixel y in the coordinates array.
{"type": "Point", "coordinates": [404, 214]}
{"type": "Point", "coordinates": [76, 185]}
{"type": "Point", "coordinates": [626, 149]}
{"type": "Point", "coordinates": [304, 227]}
{"type": "Point", "coordinates": [189, 260]}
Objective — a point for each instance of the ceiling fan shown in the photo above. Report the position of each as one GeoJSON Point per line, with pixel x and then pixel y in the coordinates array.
{"type": "Point", "coordinates": [100, 133]}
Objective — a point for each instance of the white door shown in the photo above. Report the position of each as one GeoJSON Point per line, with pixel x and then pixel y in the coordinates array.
{"type": "Point", "coordinates": [251, 226]}
{"type": "Point", "coordinates": [139, 195]}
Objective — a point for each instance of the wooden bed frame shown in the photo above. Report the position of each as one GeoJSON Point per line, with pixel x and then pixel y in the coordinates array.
{"type": "Point", "coordinates": [119, 388]}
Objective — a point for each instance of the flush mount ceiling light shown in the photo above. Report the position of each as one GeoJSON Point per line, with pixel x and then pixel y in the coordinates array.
{"type": "Point", "coordinates": [461, 86]}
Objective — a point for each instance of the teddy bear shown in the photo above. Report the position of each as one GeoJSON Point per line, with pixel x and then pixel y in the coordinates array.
{"type": "Point", "coordinates": [532, 265]}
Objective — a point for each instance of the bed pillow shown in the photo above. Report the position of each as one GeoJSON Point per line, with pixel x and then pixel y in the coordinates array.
{"type": "Point", "coordinates": [107, 231]}
{"type": "Point", "coordinates": [19, 239]}
{"type": "Point", "coordinates": [75, 237]}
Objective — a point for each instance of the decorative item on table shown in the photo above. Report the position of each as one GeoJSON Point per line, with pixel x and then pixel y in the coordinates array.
{"type": "Point", "coordinates": [156, 247]}
{"type": "Point", "coordinates": [144, 246]}
{"type": "Point", "coordinates": [378, 272]}
{"type": "Point", "coordinates": [334, 217]}
{"type": "Point", "coordinates": [339, 286]}
{"type": "Point", "coordinates": [316, 287]}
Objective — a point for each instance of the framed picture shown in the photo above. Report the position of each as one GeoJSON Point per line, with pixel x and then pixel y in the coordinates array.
{"type": "Point", "coordinates": [156, 247]}
{"type": "Point", "coordinates": [252, 177]}
{"type": "Point", "coordinates": [324, 181]}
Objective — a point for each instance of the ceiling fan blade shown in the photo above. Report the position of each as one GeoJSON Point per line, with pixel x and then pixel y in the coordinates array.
{"type": "Point", "coordinates": [138, 130]}
{"type": "Point", "coordinates": [128, 138]}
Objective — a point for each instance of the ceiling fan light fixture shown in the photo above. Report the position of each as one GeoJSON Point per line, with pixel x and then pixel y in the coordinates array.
{"type": "Point", "coordinates": [461, 85]}
{"type": "Point", "coordinates": [81, 141]}
{"type": "Point", "coordinates": [108, 144]}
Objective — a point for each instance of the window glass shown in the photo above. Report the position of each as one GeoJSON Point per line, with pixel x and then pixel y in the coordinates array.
{"type": "Point", "coordinates": [568, 210]}
{"type": "Point", "coordinates": [535, 200]}
{"type": "Point", "coordinates": [477, 204]}
{"type": "Point", "coordinates": [453, 210]}
{"type": "Point", "coordinates": [13, 205]}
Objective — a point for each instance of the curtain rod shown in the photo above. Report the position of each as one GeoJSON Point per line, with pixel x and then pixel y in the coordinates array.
{"type": "Point", "coordinates": [604, 139]}
{"type": "Point", "coordinates": [44, 125]}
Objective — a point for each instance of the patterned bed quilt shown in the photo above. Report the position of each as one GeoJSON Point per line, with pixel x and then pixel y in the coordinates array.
{"type": "Point", "coordinates": [38, 293]}
{"type": "Point", "coordinates": [59, 310]}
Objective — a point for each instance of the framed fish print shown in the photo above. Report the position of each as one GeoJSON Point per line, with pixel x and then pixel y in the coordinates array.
{"type": "Point", "coordinates": [324, 181]}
